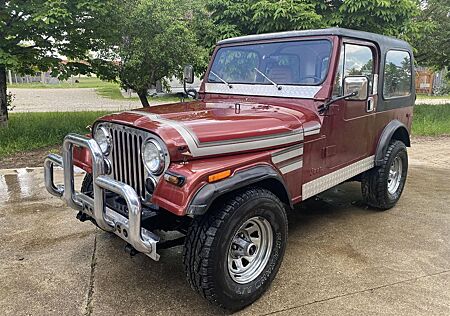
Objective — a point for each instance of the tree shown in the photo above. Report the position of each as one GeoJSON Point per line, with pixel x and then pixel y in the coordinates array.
{"type": "Point", "coordinates": [241, 17]}
{"type": "Point", "coordinates": [34, 34]}
{"type": "Point", "coordinates": [433, 44]}
{"type": "Point", "coordinates": [152, 41]}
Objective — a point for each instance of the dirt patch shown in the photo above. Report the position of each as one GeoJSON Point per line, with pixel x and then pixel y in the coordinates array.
{"type": "Point", "coordinates": [430, 152]}
{"type": "Point", "coordinates": [428, 139]}
{"type": "Point", "coordinates": [30, 159]}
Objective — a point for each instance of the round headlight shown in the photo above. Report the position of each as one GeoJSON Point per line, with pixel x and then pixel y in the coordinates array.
{"type": "Point", "coordinates": [153, 157]}
{"type": "Point", "coordinates": [103, 138]}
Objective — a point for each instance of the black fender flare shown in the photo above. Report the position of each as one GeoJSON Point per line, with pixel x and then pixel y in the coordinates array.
{"type": "Point", "coordinates": [394, 127]}
{"type": "Point", "coordinates": [207, 194]}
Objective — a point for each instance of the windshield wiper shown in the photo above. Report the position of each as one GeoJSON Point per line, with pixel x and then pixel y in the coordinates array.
{"type": "Point", "coordinates": [268, 79]}
{"type": "Point", "coordinates": [326, 106]}
{"type": "Point", "coordinates": [218, 77]}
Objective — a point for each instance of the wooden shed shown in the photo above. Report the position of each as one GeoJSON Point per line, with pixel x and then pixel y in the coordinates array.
{"type": "Point", "coordinates": [424, 80]}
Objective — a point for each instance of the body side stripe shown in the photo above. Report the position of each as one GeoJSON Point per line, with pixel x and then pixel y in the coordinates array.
{"type": "Point", "coordinates": [298, 151]}
{"type": "Point", "coordinates": [312, 130]}
{"type": "Point", "coordinates": [291, 167]}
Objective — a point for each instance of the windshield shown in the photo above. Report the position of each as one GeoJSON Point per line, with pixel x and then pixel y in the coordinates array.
{"type": "Point", "coordinates": [284, 63]}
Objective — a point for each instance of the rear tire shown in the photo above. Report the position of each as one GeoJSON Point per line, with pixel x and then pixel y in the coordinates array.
{"type": "Point", "coordinates": [233, 252]}
{"type": "Point", "coordinates": [383, 185]}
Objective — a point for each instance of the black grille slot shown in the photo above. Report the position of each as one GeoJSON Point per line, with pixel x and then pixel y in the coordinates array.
{"type": "Point", "coordinates": [126, 159]}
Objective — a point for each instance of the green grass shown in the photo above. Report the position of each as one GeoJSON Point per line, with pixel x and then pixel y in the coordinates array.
{"type": "Point", "coordinates": [112, 92]}
{"type": "Point", "coordinates": [28, 131]}
{"type": "Point", "coordinates": [431, 120]}
{"type": "Point", "coordinates": [165, 98]}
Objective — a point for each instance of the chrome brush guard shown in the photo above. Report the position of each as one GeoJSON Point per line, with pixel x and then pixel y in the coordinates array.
{"type": "Point", "coordinates": [107, 219]}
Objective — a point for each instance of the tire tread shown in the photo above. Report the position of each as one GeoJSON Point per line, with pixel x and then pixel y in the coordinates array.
{"type": "Point", "coordinates": [373, 184]}
{"type": "Point", "coordinates": [200, 238]}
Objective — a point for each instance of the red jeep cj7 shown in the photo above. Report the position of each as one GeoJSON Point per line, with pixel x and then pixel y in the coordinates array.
{"type": "Point", "coordinates": [278, 119]}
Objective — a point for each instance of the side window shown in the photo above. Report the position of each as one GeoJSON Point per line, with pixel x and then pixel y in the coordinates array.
{"type": "Point", "coordinates": [338, 80]}
{"type": "Point", "coordinates": [355, 60]}
{"type": "Point", "coordinates": [397, 74]}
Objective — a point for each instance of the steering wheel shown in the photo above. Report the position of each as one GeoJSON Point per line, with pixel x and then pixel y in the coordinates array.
{"type": "Point", "coordinates": [311, 77]}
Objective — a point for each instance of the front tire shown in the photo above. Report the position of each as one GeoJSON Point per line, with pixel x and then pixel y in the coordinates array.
{"type": "Point", "coordinates": [383, 185]}
{"type": "Point", "coordinates": [233, 252]}
{"type": "Point", "coordinates": [88, 184]}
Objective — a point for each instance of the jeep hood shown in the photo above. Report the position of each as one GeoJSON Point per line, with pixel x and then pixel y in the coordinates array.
{"type": "Point", "coordinates": [198, 129]}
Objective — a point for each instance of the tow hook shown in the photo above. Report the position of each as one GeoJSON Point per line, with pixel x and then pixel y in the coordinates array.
{"type": "Point", "coordinates": [130, 250]}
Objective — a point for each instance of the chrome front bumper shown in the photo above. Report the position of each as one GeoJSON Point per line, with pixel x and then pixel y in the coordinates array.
{"type": "Point", "coordinates": [107, 219]}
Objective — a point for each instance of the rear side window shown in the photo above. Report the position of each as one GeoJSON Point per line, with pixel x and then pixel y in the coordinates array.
{"type": "Point", "coordinates": [397, 74]}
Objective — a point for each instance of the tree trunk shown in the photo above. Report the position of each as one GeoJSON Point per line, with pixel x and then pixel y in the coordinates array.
{"type": "Point", "coordinates": [3, 98]}
{"type": "Point", "coordinates": [143, 98]}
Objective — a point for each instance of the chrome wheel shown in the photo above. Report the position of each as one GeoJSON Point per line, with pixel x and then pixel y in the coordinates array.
{"type": "Point", "coordinates": [395, 175]}
{"type": "Point", "coordinates": [250, 250]}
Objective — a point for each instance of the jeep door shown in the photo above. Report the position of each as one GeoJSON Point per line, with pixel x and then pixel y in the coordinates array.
{"type": "Point", "coordinates": [350, 123]}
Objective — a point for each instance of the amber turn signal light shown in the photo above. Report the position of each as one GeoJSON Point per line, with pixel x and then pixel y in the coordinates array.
{"type": "Point", "coordinates": [219, 176]}
{"type": "Point", "coordinates": [174, 179]}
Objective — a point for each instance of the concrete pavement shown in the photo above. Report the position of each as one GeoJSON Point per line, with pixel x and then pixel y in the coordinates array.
{"type": "Point", "coordinates": [342, 258]}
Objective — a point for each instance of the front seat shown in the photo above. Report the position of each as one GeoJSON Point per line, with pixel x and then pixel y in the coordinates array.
{"type": "Point", "coordinates": [281, 74]}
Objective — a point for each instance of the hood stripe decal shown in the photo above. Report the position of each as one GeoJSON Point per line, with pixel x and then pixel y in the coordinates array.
{"type": "Point", "coordinates": [198, 149]}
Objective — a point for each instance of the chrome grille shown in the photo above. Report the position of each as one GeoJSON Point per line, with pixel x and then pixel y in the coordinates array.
{"type": "Point", "coordinates": [127, 165]}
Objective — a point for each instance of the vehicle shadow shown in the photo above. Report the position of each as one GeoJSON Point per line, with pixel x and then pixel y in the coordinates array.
{"type": "Point", "coordinates": [137, 285]}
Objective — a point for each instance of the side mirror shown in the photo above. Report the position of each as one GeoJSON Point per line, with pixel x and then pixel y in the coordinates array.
{"type": "Point", "coordinates": [188, 74]}
{"type": "Point", "coordinates": [357, 84]}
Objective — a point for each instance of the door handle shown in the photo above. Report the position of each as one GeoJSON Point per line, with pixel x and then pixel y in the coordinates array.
{"type": "Point", "coordinates": [370, 104]}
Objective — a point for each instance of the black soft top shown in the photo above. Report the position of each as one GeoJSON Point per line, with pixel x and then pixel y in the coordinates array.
{"type": "Point", "coordinates": [381, 40]}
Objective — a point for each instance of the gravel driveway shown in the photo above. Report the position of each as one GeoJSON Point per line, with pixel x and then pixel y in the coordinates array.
{"type": "Point", "coordinates": [433, 101]}
{"type": "Point", "coordinates": [86, 99]}
{"type": "Point", "coordinates": [67, 100]}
